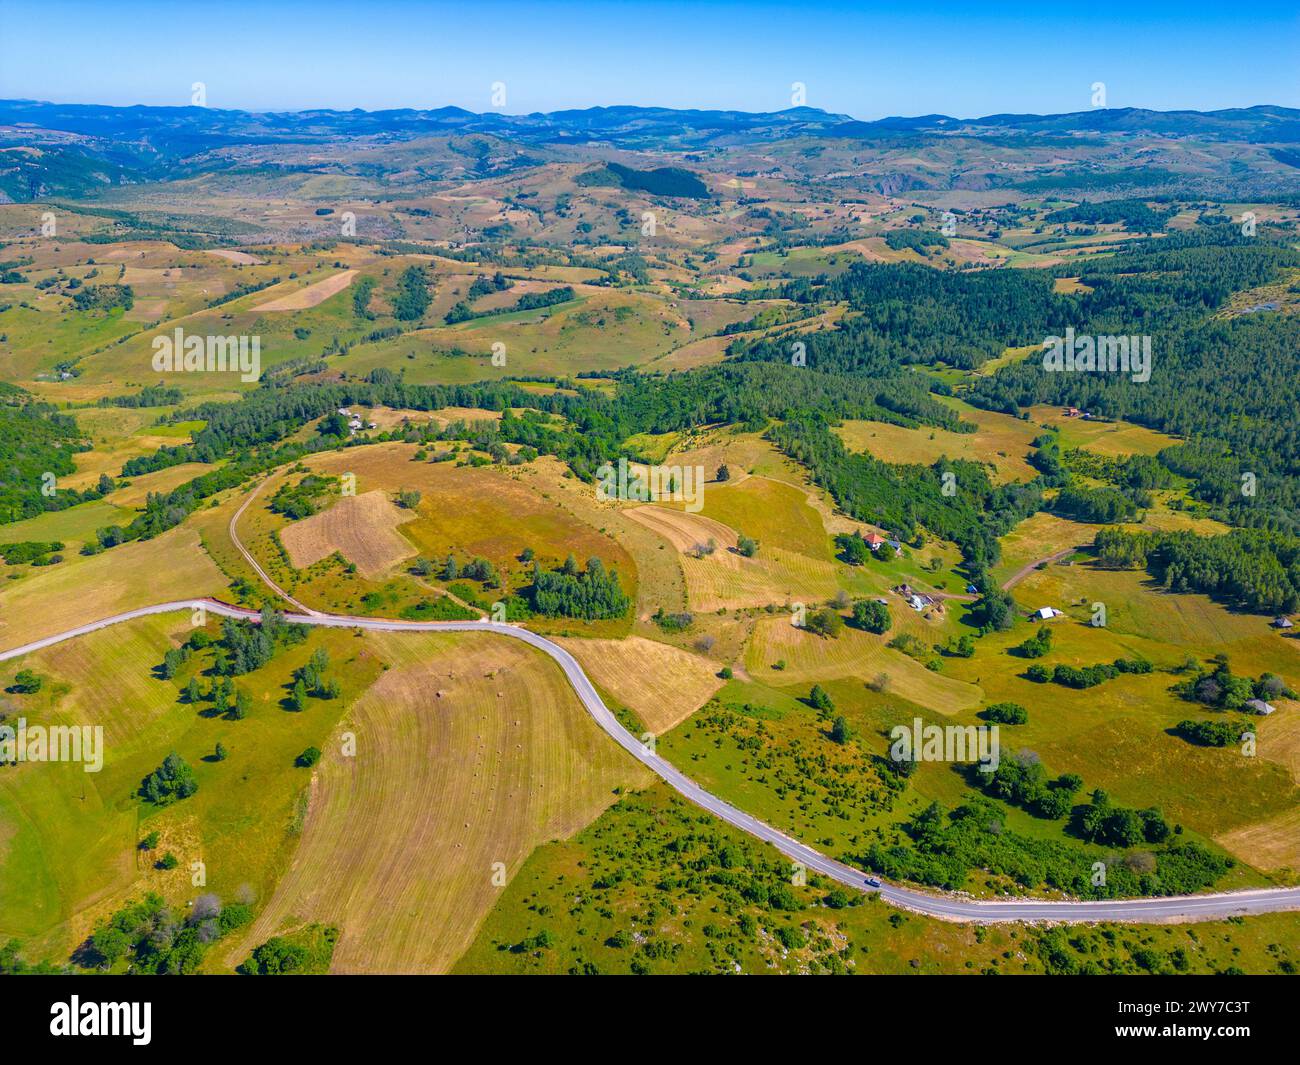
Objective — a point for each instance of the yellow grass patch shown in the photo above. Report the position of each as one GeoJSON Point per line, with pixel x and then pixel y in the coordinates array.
{"type": "Point", "coordinates": [1136, 605]}
{"type": "Point", "coordinates": [240, 257]}
{"type": "Point", "coordinates": [810, 659]}
{"type": "Point", "coordinates": [728, 580]}
{"type": "Point", "coordinates": [1271, 845]}
{"type": "Point", "coordinates": [1111, 439]}
{"type": "Point", "coordinates": [362, 528]}
{"type": "Point", "coordinates": [310, 296]}
{"type": "Point", "coordinates": [137, 492]}
{"type": "Point", "coordinates": [1001, 440]}
{"type": "Point", "coordinates": [479, 511]}
{"type": "Point", "coordinates": [472, 750]}
{"type": "Point", "coordinates": [663, 684]}
{"type": "Point", "coordinates": [82, 589]}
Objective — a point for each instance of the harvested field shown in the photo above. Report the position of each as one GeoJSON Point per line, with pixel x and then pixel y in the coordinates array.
{"type": "Point", "coordinates": [240, 257]}
{"type": "Point", "coordinates": [471, 751]}
{"type": "Point", "coordinates": [727, 580]}
{"type": "Point", "coordinates": [681, 529]}
{"type": "Point", "coordinates": [663, 684]}
{"type": "Point", "coordinates": [87, 588]}
{"type": "Point", "coordinates": [310, 296]}
{"type": "Point", "coordinates": [482, 511]}
{"type": "Point", "coordinates": [362, 528]}
{"type": "Point", "coordinates": [1272, 845]}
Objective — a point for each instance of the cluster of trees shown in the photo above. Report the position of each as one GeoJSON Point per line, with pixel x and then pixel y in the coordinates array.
{"type": "Point", "coordinates": [104, 298]}
{"type": "Point", "coordinates": [1135, 215]}
{"type": "Point", "coordinates": [1101, 822]}
{"type": "Point", "coordinates": [825, 621]}
{"type": "Point", "coordinates": [477, 569]}
{"type": "Point", "coordinates": [1132, 471]}
{"type": "Point", "coordinates": [1087, 676]}
{"type": "Point", "coordinates": [1022, 781]}
{"type": "Point", "coordinates": [918, 240]}
{"type": "Point", "coordinates": [149, 396]}
{"type": "Point", "coordinates": [1222, 689]}
{"type": "Point", "coordinates": [171, 781]}
{"type": "Point", "coordinates": [591, 593]}
{"type": "Point", "coordinates": [944, 848]}
{"type": "Point", "coordinates": [36, 440]}
{"type": "Point", "coordinates": [1037, 645]}
{"type": "Point", "coordinates": [673, 622]}
{"type": "Point", "coordinates": [412, 297]}
{"type": "Point", "coordinates": [310, 680]}
{"type": "Point", "coordinates": [302, 500]}
{"type": "Point", "coordinates": [33, 552]}
{"type": "Point", "coordinates": [1005, 714]}
{"type": "Point", "coordinates": [153, 940]}
{"type": "Point", "coordinates": [529, 301]}
{"type": "Point", "coordinates": [872, 616]}
{"type": "Point", "coordinates": [482, 286]}
{"type": "Point", "coordinates": [1101, 506]}
{"type": "Point", "coordinates": [911, 313]}
{"type": "Point", "coordinates": [306, 952]}
{"type": "Point", "coordinates": [1214, 733]}
{"type": "Point", "coordinates": [26, 682]}
{"type": "Point", "coordinates": [362, 289]}
{"type": "Point", "coordinates": [246, 645]}
{"type": "Point", "coordinates": [993, 611]}
{"type": "Point", "coordinates": [244, 288]}
{"type": "Point", "coordinates": [661, 181]}
{"type": "Point", "coordinates": [227, 701]}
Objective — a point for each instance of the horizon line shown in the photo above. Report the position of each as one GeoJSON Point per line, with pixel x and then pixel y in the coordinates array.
{"type": "Point", "coordinates": [807, 108]}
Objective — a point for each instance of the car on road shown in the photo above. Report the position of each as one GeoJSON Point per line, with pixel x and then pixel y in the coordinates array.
{"type": "Point", "coordinates": [873, 881]}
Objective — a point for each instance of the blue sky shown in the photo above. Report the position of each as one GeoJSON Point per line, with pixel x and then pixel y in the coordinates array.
{"type": "Point", "coordinates": [866, 59]}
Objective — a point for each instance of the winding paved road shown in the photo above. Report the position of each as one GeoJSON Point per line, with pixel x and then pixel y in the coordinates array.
{"type": "Point", "coordinates": [948, 907]}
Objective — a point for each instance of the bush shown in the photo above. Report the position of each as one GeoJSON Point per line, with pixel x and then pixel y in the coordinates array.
{"type": "Point", "coordinates": [26, 682]}
{"type": "Point", "coordinates": [1006, 714]}
{"type": "Point", "coordinates": [1036, 646]}
{"type": "Point", "coordinates": [825, 622]}
{"type": "Point", "coordinates": [819, 700]}
{"type": "Point", "coordinates": [1213, 733]}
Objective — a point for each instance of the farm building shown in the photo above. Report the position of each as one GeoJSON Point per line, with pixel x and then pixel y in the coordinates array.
{"type": "Point", "coordinates": [1259, 706]}
{"type": "Point", "coordinates": [1282, 623]}
{"type": "Point", "coordinates": [1046, 613]}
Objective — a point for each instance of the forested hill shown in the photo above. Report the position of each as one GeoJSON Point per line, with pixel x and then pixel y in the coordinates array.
{"type": "Point", "coordinates": [1229, 385]}
{"type": "Point", "coordinates": [36, 448]}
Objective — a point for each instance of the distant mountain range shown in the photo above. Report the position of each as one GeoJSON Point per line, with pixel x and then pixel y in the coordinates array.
{"type": "Point", "coordinates": [183, 130]}
{"type": "Point", "coordinates": [80, 150]}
